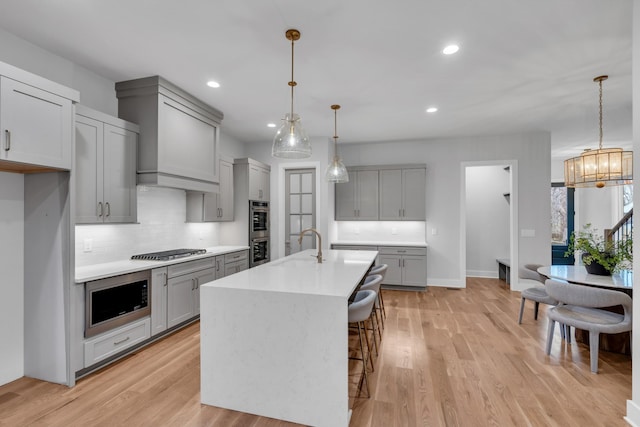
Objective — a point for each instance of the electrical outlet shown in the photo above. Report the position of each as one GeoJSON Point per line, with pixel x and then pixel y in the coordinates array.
{"type": "Point", "coordinates": [394, 230]}
{"type": "Point", "coordinates": [434, 231]}
{"type": "Point", "coordinates": [88, 245]}
{"type": "Point", "coordinates": [356, 230]}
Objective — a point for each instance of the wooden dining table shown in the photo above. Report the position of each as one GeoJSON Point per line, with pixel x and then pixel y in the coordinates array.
{"type": "Point", "coordinates": [620, 281]}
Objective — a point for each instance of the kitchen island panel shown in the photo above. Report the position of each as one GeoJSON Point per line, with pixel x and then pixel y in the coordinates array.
{"type": "Point", "coordinates": [284, 355]}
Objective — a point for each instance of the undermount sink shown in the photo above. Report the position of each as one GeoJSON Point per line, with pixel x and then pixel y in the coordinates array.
{"type": "Point", "coordinates": [296, 261]}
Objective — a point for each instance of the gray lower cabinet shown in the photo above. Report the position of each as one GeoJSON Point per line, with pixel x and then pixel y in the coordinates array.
{"type": "Point", "coordinates": [183, 285]}
{"type": "Point", "coordinates": [236, 262]}
{"type": "Point", "coordinates": [407, 266]}
{"type": "Point", "coordinates": [104, 346]}
{"type": "Point", "coordinates": [159, 297]}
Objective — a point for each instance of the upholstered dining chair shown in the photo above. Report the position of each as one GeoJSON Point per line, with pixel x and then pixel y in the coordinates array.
{"type": "Point", "coordinates": [581, 306]}
{"type": "Point", "coordinates": [537, 294]}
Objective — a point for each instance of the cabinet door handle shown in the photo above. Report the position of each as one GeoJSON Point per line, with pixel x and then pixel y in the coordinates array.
{"type": "Point", "coordinates": [101, 209]}
{"type": "Point", "coordinates": [121, 341]}
{"type": "Point", "coordinates": [108, 209]}
{"type": "Point", "coordinates": [7, 144]}
{"type": "Point", "coordinates": [197, 282]}
{"type": "Point", "coordinates": [399, 263]}
{"type": "Point", "coordinates": [166, 279]}
{"type": "Point", "coordinates": [402, 212]}
{"type": "Point", "coordinates": [193, 284]}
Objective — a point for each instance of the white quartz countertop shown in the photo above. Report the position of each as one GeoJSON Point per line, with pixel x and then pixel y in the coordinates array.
{"type": "Point", "coordinates": [300, 273]}
{"type": "Point", "coordinates": [378, 243]}
{"type": "Point", "coordinates": [116, 268]}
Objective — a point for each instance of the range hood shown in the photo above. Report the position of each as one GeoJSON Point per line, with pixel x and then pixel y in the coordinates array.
{"type": "Point", "coordinates": [179, 134]}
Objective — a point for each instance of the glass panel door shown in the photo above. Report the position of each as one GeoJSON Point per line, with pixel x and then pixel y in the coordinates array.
{"type": "Point", "coordinates": [300, 209]}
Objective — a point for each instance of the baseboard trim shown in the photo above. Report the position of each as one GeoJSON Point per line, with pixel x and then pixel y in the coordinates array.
{"type": "Point", "coordinates": [633, 414]}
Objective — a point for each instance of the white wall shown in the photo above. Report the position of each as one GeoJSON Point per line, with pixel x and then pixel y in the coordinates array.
{"type": "Point", "coordinates": [443, 158]}
{"type": "Point", "coordinates": [487, 219]}
{"type": "Point", "coordinates": [12, 276]}
{"type": "Point", "coordinates": [633, 405]}
{"type": "Point", "coordinates": [95, 91]}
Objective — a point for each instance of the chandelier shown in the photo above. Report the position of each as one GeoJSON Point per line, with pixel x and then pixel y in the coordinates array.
{"type": "Point", "coordinates": [599, 167]}
{"type": "Point", "coordinates": [336, 171]}
{"type": "Point", "coordinates": [291, 140]}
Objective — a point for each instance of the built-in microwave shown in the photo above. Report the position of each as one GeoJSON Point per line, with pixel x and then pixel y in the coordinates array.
{"type": "Point", "coordinates": [116, 301]}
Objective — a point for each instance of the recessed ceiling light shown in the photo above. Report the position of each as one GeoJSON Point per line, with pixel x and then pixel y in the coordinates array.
{"type": "Point", "coordinates": [211, 83]}
{"type": "Point", "coordinates": [432, 109]}
{"type": "Point", "coordinates": [451, 49]}
{"type": "Point", "coordinates": [271, 125]}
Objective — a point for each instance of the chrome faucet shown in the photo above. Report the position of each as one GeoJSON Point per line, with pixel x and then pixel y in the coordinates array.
{"type": "Point", "coordinates": [313, 230]}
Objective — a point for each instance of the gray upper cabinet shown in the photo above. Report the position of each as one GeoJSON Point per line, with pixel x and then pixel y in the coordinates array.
{"type": "Point", "coordinates": [105, 168]}
{"type": "Point", "coordinates": [259, 184]}
{"type": "Point", "coordinates": [252, 179]}
{"type": "Point", "coordinates": [213, 207]}
{"type": "Point", "coordinates": [357, 200]}
{"type": "Point", "coordinates": [179, 134]}
{"type": "Point", "coordinates": [36, 122]}
{"type": "Point", "coordinates": [402, 194]}
{"type": "Point", "coordinates": [385, 193]}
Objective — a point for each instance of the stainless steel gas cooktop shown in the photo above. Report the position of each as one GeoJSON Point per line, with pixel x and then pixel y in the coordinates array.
{"type": "Point", "coordinates": [169, 255]}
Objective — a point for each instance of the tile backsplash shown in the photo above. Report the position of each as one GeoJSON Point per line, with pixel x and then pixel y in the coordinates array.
{"type": "Point", "coordinates": [161, 226]}
{"type": "Point", "coordinates": [382, 231]}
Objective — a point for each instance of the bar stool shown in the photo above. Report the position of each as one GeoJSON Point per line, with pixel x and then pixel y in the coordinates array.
{"type": "Point", "coordinates": [382, 271]}
{"type": "Point", "coordinates": [373, 282]}
{"type": "Point", "coordinates": [359, 311]}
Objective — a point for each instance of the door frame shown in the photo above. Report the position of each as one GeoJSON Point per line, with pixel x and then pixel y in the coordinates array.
{"type": "Point", "coordinates": [513, 219]}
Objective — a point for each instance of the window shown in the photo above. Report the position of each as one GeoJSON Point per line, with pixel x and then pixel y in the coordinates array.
{"type": "Point", "coordinates": [627, 198]}
{"type": "Point", "coordinates": [561, 222]}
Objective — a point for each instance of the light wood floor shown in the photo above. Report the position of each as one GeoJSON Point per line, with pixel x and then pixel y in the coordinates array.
{"type": "Point", "coordinates": [449, 358]}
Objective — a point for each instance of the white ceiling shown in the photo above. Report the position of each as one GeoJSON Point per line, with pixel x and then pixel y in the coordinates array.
{"type": "Point", "coordinates": [524, 65]}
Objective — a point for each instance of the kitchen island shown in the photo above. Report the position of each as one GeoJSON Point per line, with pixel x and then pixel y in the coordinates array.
{"type": "Point", "coordinates": [274, 337]}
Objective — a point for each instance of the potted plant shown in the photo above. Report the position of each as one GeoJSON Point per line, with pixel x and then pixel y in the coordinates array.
{"type": "Point", "coordinates": [600, 256]}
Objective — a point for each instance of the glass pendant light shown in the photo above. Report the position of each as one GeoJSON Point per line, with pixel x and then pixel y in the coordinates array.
{"type": "Point", "coordinates": [291, 140]}
{"type": "Point", "coordinates": [599, 167]}
{"type": "Point", "coordinates": [336, 171]}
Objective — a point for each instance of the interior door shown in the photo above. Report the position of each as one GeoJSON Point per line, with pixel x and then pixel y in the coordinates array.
{"type": "Point", "coordinates": [300, 209]}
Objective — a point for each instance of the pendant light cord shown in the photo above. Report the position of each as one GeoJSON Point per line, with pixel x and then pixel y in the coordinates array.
{"type": "Point", "coordinates": [600, 102]}
{"type": "Point", "coordinates": [292, 83]}
{"type": "Point", "coordinates": [335, 108]}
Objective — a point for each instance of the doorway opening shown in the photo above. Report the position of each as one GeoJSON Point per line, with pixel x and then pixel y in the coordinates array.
{"type": "Point", "coordinates": [488, 219]}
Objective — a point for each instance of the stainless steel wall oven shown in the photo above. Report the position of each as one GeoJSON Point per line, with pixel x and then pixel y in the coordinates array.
{"type": "Point", "coordinates": [116, 301]}
{"type": "Point", "coordinates": [259, 251]}
{"type": "Point", "coordinates": [258, 219]}
{"type": "Point", "coordinates": [259, 229]}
